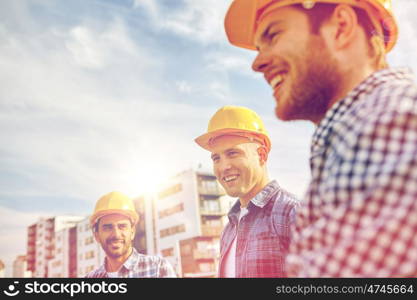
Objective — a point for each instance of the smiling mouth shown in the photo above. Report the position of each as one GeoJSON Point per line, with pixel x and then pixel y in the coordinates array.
{"type": "Point", "coordinates": [277, 81]}
{"type": "Point", "coordinates": [116, 243]}
{"type": "Point", "coordinates": [230, 178]}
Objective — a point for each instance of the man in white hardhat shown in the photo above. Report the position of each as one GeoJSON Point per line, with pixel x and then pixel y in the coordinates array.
{"type": "Point", "coordinates": [326, 62]}
{"type": "Point", "coordinates": [113, 223]}
{"type": "Point", "coordinates": [255, 241]}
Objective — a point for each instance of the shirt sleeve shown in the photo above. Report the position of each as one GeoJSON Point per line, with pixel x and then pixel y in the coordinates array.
{"type": "Point", "coordinates": [166, 270]}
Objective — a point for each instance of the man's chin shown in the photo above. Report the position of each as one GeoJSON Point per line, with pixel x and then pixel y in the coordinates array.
{"type": "Point", "coordinates": [115, 253]}
{"type": "Point", "coordinates": [282, 115]}
{"type": "Point", "coordinates": [232, 192]}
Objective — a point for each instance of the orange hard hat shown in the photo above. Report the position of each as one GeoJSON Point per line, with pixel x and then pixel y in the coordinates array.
{"type": "Point", "coordinates": [243, 16]}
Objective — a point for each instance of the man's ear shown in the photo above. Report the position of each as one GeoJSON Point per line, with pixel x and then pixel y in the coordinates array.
{"type": "Point", "coordinates": [263, 154]}
{"type": "Point", "coordinates": [95, 233]}
{"type": "Point", "coordinates": [133, 231]}
{"type": "Point", "coordinates": [342, 28]}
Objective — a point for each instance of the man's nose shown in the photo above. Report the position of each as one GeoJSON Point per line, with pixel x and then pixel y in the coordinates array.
{"type": "Point", "coordinates": [116, 232]}
{"type": "Point", "coordinates": [224, 165]}
{"type": "Point", "coordinates": [261, 62]}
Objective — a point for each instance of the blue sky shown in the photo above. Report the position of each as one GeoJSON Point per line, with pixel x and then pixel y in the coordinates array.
{"type": "Point", "coordinates": [108, 95]}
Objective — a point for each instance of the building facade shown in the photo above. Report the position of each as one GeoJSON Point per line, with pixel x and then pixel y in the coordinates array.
{"type": "Point", "coordinates": [145, 239]}
{"type": "Point", "coordinates": [90, 255]}
{"type": "Point", "coordinates": [64, 263]}
{"type": "Point", "coordinates": [190, 205]}
{"type": "Point", "coordinates": [20, 267]}
{"type": "Point", "coordinates": [41, 243]}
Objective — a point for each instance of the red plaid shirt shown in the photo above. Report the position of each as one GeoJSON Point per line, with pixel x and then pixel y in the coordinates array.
{"type": "Point", "coordinates": [138, 266]}
{"type": "Point", "coordinates": [262, 234]}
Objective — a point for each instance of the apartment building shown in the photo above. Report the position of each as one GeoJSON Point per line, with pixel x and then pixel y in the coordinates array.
{"type": "Point", "coordinates": [90, 255]}
{"type": "Point", "coordinates": [200, 256]}
{"type": "Point", "coordinates": [20, 267]}
{"type": "Point", "coordinates": [189, 205]}
{"type": "Point", "coordinates": [2, 269]}
{"type": "Point", "coordinates": [145, 238]}
{"type": "Point", "coordinates": [41, 242]}
{"type": "Point", "coordinates": [64, 263]}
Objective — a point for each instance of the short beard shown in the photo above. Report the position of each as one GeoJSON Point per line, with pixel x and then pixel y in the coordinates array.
{"type": "Point", "coordinates": [314, 90]}
{"type": "Point", "coordinates": [109, 253]}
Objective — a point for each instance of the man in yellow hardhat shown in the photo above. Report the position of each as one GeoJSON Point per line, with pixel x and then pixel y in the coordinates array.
{"type": "Point", "coordinates": [325, 61]}
{"type": "Point", "coordinates": [255, 241]}
{"type": "Point", "coordinates": [113, 223]}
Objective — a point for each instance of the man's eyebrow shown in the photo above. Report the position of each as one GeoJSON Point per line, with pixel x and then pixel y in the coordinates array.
{"type": "Point", "coordinates": [225, 151]}
{"type": "Point", "coordinates": [266, 31]}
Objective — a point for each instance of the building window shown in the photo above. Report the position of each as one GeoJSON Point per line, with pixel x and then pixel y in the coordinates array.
{"type": "Point", "coordinates": [89, 269]}
{"type": "Point", "coordinates": [172, 230]}
{"type": "Point", "coordinates": [167, 252]}
{"type": "Point", "coordinates": [89, 254]}
{"type": "Point", "coordinates": [89, 240]}
{"type": "Point", "coordinates": [210, 186]}
{"type": "Point", "coordinates": [170, 191]}
{"type": "Point", "coordinates": [56, 263]}
{"type": "Point", "coordinates": [212, 205]}
{"type": "Point", "coordinates": [170, 211]}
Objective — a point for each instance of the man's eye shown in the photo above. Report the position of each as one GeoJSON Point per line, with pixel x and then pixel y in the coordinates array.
{"type": "Point", "coordinates": [272, 36]}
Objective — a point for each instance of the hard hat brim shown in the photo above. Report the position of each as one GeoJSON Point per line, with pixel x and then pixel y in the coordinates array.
{"type": "Point", "coordinates": [204, 140]}
{"type": "Point", "coordinates": [133, 216]}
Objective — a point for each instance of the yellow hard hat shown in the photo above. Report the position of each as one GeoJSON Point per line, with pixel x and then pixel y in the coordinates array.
{"type": "Point", "coordinates": [235, 120]}
{"type": "Point", "coordinates": [114, 203]}
{"type": "Point", "coordinates": [243, 16]}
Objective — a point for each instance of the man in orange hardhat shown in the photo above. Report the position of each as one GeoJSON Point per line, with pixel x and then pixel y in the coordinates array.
{"type": "Point", "coordinates": [113, 223]}
{"type": "Point", "coordinates": [255, 241]}
{"type": "Point", "coordinates": [325, 61]}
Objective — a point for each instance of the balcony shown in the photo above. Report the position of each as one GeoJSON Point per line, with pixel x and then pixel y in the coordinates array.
{"type": "Point", "coordinates": [207, 230]}
{"type": "Point", "coordinates": [210, 191]}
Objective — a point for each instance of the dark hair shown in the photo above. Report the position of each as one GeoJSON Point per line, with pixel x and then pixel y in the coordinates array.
{"type": "Point", "coordinates": [321, 12]}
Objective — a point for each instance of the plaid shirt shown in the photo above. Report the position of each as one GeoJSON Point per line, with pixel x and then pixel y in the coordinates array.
{"type": "Point", "coordinates": [138, 266]}
{"type": "Point", "coordinates": [360, 215]}
{"type": "Point", "coordinates": [262, 234]}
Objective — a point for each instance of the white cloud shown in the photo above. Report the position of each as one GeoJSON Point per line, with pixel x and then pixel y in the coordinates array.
{"type": "Point", "coordinates": [150, 5]}
{"type": "Point", "coordinates": [200, 20]}
{"type": "Point", "coordinates": [184, 86]}
{"type": "Point", "coordinates": [85, 105]}
{"type": "Point", "coordinates": [404, 11]}
{"type": "Point", "coordinates": [97, 49]}
{"type": "Point", "coordinates": [234, 61]}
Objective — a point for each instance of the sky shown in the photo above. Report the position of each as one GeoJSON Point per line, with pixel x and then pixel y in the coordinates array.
{"type": "Point", "coordinates": [103, 95]}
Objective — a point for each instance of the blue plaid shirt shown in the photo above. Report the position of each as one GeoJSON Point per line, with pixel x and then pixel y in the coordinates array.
{"type": "Point", "coordinates": [138, 266]}
{"type": "Point", "coordinates": [360, 215]}
{"type": "Point", "coordinates": [262, 235]}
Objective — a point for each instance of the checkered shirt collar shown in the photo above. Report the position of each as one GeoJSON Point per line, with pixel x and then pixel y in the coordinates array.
{"type": "Point", "coordinates": [129, 264]}
{"type": "Point", "coordinates": [260, 200]}
{"type": "Point", "coordinates": [339, 108]}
